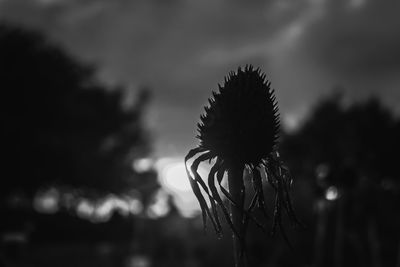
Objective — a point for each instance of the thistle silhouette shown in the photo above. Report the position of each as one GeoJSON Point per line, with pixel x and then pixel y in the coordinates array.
{"type": "Point", "coordinates": [240, 130]}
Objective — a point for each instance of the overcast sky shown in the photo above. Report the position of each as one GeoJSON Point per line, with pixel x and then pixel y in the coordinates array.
{"type": "Point", "coordinates": [183, 49]}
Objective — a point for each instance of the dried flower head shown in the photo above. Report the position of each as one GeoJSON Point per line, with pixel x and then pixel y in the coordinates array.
{"type": "Point", "coordinates": [241, 124]}
{"type": "Point", "coordinates": [240, 130]}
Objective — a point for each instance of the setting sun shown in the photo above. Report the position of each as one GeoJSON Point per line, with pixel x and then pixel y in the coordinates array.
{"type": "Point", "coordinates": [174, 177]}
{"type": "Point", "coordinates": [174, 180]}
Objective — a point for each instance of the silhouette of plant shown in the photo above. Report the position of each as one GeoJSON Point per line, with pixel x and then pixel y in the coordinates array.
{"type": "Point", "coordinates": [240, 130]}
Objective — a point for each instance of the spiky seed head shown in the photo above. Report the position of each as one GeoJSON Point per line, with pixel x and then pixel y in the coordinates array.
{"type": "Point", "coordinates": [241, 122]}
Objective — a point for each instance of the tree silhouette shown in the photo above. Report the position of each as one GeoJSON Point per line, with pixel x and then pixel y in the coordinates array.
{"type": "Point", "coordinates": [351, 150]}
{"type": "Point", "coordinates": [60, 126]}
{"type": "Point", "coordinates": [362, 137]}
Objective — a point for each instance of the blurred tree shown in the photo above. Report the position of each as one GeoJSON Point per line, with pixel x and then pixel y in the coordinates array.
{"type": "Point", "coordinates": [362, 137]}
{"type": "Point", "coordinates": [62, 127]}
{"type": "Point", "coordinates": [349, 154]}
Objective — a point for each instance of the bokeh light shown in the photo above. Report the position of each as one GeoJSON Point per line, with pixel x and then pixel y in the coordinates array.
{"type": "Point", "coordinates": [332, 193]}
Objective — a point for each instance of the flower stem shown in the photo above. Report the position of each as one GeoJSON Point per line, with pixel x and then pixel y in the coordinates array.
{"type": "Point", "coordinates": [236, 189]}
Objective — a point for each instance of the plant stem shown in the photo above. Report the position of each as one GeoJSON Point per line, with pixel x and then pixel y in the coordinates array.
{"type": "Point", "coordinates": [236, 189]}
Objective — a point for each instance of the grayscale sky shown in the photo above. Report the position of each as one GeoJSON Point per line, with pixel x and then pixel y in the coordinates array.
{"type": "Point", "coordinates": [183, 49]}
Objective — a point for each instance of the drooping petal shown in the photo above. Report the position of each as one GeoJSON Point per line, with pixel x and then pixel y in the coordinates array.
{"type": "Point", "coordinates": [258, 188]}
{"type": "Point", "coordinates": [195, 187]}
{"type": "Point", "coordinates": [220, 175]}
{"type": "Point", "coordinates": [214, 195]}
{"type": "Point", "coordinates": [198, 180]}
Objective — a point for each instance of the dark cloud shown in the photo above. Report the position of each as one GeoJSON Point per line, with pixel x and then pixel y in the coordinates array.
{"type": "Point", "coordinates": [357, 46]}
{"type": "Point", "coordinates": [357, 42]}
{"type": "Point", "coordinates": [184, 48]}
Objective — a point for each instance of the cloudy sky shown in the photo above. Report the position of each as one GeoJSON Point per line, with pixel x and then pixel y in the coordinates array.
{"type": "Point", "coordinates": [182, 49]}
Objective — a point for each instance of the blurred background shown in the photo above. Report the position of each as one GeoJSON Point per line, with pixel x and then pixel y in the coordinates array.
{"type": "Point", "coordinates": [99, 105]}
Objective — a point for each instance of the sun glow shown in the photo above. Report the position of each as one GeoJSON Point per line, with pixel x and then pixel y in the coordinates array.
{"type": "Point", "coordinates": [174, 177]}
{"type": "Point", "coordinates": [174, 180]}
